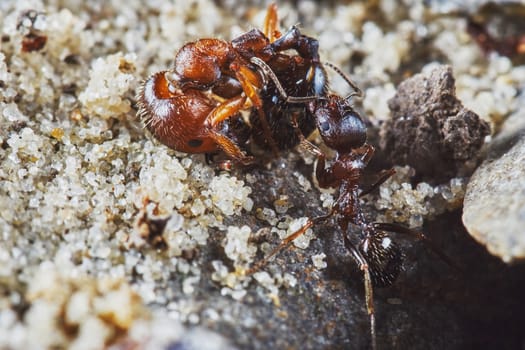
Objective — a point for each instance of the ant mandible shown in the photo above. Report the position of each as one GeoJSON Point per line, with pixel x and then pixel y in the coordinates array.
{"type": "Point", "coordinates": [195, 106]}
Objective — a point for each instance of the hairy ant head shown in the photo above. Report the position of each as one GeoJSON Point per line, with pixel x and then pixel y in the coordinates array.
{"type": "Point", "coordinates": [339, 124]}
{"type": "Point", "coordinates": [384, 258]}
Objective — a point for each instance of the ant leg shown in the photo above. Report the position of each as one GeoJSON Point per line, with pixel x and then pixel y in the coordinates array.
{"type": "Point", "coordinates": [250, 82]}
{"type": "Point", "coordinates": [270, 23]}
{"type": "Point", "coordinates": [369, 291]}
{"type": "Point", "coordinates": [367, 152]}
{"type": "Point", "coordinates": [224, 165]}
{"type": "Point", "coordinates": [325, 176]}
{"type": "Point", "coordinates": [384, 175]}
{"type": "Point", "coordinates": [284, 244]}
{"type": "Point", "coordinates": [396, 228]}
{"type": "Point", "coordinates": [231, 149]}
{"type": "Point", "coordinates": [303, 142]}
{"type": "Point", "coordinates": [223, 111]}
{"type": "Point", "coordinates": [209, 158]}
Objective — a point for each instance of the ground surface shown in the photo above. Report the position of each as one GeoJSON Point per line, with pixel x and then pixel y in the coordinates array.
{"type": "Point", "coordinates": [106, 232]}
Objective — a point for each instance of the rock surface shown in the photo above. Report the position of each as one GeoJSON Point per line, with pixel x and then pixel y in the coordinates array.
{"type": "Point", "coordinates": [494, 206]}
{"type": "Point", "coordinates": [430, 130]}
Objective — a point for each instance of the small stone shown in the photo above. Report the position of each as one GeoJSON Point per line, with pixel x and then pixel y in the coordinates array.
{"type": "Point", "coordinates": [319, 261]}
{"type": "Point", "coordinates": [430, 130]}
{"type": "Point", "coordinates": [281, 205]}
{"type": "Point", "coordinates": [107, 85]}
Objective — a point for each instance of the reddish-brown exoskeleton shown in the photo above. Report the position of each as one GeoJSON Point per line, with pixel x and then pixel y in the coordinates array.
{"type": "Point", "coordinates": [192, 107]}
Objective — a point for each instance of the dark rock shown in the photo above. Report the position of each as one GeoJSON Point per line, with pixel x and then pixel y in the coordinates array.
{"type": "Point", "coordinates": [430, 130]}
{"type": "Point", "coordinates": [499, 27]}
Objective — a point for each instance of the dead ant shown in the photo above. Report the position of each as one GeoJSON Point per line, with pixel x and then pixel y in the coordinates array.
{"type": "Point", "coordinates": [192, 107]}
{"type": "Point", "coordinates": [195, 107]}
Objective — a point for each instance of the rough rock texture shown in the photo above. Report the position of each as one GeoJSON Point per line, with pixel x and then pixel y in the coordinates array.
{"type": "Point", "coordinates": [494, 206]}
{"type": "Point", "coordinates": [430, 130]}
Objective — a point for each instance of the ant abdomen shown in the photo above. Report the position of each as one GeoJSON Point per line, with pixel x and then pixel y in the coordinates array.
{"type": "Point", "coordinates": [296, 77]}
{"type": "Point", "coordinates": [198, 64]}
{"type": "Point", "coordinates": [319, 81]}
{"type": "Point", "coordinates": [282, 131]}
{"type": "Point", "coordinates": [384, 258]}
{"type": "Point", "coordinates": [176, 119]}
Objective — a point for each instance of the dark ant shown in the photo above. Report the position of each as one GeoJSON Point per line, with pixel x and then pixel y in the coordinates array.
{"type": "Point", "coordinates": [343, 130]}
{"type": "Point", "coordinates": [377, 255]}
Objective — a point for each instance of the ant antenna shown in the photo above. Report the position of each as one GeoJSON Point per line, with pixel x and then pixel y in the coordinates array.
{"type": "Point", "coordinates": [357, 91]}
{"type": "Point", "coordinates": [268, 73]}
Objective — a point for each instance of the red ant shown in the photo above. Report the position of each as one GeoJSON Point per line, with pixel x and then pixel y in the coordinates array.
{"type": "Point", "coordinates": [195, 107]}
{"type": "Point", "coordinates": [192, 107]}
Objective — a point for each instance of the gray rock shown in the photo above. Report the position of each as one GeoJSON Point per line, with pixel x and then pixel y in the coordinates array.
{"type": "Point", "coordinates": [494, 206]}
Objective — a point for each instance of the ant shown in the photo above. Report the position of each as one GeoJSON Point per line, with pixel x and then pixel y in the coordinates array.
{"type": "Point", "coordinates": [377, 255]}
{"type": "Point", "coordinates": [343, 130]}
{"type": "Point", "coordinates": [195, 107]}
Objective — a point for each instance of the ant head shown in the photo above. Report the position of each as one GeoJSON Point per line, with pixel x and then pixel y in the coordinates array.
{"type": "Point", "coordinates": [384, 258]}
{"type": "Point", "coordinates": [339, 124]}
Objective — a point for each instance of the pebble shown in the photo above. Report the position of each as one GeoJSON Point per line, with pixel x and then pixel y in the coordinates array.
{"type": "Point", "coordinates": [430, 129]}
